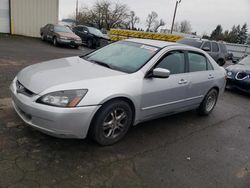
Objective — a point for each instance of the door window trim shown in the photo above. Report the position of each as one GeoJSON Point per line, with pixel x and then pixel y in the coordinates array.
{"type": "Point", "coordinates": [163, 56]}
{"type": "Point", "coordinates": [199, 53]}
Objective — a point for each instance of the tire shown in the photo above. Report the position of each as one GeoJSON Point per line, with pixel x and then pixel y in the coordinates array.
{"type": "Point", "coordinates": [208, 103]}
{"type": "Point", "coordinates": [42, 37]}
{"type": "Point", "coordinates": [111, 123]}
{"type": "Point", "coordinates": [55, 41]}
{"type": "Point", "coordinates": [76, 46]}
{"type": "Point", "coordinates": [90, 43]}
{"type": "Point", "coordinates": [221, 62]}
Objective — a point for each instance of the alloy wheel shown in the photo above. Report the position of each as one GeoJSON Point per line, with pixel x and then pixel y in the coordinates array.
{"type": "Point", "coordinates": [114, 123]}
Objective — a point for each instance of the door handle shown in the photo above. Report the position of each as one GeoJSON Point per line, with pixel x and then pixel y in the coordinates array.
{"type": "Point", "coordinates": [182, 81]}
{"type": "Point", "coordinates": [210, 76]}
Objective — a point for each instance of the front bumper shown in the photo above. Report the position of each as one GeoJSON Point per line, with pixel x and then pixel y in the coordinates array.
{"type": "Point", "coordinates": [54, 121]}
{"type": "Point", "coordinates": [69, 42]}
{"type": "Point", "coordinates": [238, 84]}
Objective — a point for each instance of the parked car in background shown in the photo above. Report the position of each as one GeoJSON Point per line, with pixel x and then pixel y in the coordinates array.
{"type": "Point", "coordinates": [59, 34]}
{"type": "Point", "coordinates": [238, 76]}
{"type": "Point", "coordinates": [90, 35]}
{"type": "Point", "coordinates": [105, 92]}
{"type": "Point", "coordinates": [217, 50]}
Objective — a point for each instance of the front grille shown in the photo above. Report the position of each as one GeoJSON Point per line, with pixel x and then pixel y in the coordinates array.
{"type": "Point", "coordinates": [21, 89]}
{"type": "Point", "coordinates": [241, 75]}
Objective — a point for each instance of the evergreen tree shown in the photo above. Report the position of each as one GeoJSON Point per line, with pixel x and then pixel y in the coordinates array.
{"type": "Point", "coordinates": [242, 36]}
{"type": "Point", "coordinates": [217, 33]}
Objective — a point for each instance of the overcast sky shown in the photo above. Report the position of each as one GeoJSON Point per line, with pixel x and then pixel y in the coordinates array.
{"type": "Point", "coordinates": [203, 15]}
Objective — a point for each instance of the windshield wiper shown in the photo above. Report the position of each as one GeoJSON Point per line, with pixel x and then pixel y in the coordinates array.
{"type": "Point", "coordinates": [101, 63]}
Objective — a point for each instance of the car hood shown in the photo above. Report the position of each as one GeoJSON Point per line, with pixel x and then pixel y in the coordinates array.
{"type": "Point", "coordinates": [239, 68]}
{"type": "Point", "coordinates": [42, 76]}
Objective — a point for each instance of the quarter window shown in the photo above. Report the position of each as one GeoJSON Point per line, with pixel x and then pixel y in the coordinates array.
{"type": "Point", "coordinates": [215, 47]}
{"type": "Point", "coordinates": [174, 62]}
{"type": "Point", "coordinates": [197, 62]}
{"type": "Point", "coordinates": [207, 45]}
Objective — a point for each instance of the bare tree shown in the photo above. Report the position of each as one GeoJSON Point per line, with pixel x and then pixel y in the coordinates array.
{"type": "Point", "coordinates": [176, 27]}
{"type": "Point", "coordinates": [185, 27]}
{"type": "Point", "coordinates": [158, 24]}
{"type": "Point", "coordinates": [152, 17]}
{"type": "Point", "coordinates": [133, 20]}
{"type": "Point", "coordinates": [104, 14]}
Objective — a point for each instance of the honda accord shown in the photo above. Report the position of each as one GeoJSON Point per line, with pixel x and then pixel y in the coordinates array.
{"type": "Point", "coordinates": [103, 93]}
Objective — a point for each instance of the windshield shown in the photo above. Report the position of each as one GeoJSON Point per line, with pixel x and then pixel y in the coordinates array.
{"type": "Point", "coordinates": [95, 31]}
{"type": "Point", "coordinates": [62, 29]}
{"type": "Point", "coordinates": [245, 61]}
{"type": "Point", "coordinates": [123, 56]}
{"type": "Point", "coordinates": [191, 42]}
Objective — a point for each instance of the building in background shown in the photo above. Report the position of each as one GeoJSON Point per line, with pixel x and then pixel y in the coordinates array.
{"type": "Point", "coordinates": [26, 17]}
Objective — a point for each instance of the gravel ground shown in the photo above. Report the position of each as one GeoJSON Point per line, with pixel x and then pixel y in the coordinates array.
{"type": "Point", "coordinates": [183, 150]}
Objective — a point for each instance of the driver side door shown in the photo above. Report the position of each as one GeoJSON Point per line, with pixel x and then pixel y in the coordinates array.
{"type": "Point", "coordinates": [162, 96]}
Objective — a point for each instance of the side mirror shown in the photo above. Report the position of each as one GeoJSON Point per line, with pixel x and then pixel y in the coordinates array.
{"type": "Point", "coordinates": [86, 32]}
{"type": "Point", "coordinates": [160, 73]}
{"type": "Point", "coordinates": [206, 49]}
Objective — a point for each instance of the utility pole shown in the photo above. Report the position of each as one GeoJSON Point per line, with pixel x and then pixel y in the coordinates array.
{"type": "Point", "coordinates": [76, 12]}
{"type": "Point", "coordinates": [176, 5]}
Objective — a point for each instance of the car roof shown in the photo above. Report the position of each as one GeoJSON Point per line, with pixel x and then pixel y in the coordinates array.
{"type": "Point", "coordinates": [156, 43]}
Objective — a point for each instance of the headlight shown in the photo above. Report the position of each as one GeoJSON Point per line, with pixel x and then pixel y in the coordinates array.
{"type": "Point", "coordinates": [65, 38]}
{"type": "Point", "coordinates": [229, 73]}
{"type": "Point", "coordinates": [69, 98]}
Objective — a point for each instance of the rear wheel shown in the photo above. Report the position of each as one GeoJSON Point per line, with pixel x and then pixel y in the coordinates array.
{"type": "Point", "coordinates": [221, 62]}
{"type": "Point", "coordinates": [208, 103]}
{"type": "Point", "coordinates": [111, 122]}
{"type": "Point", "coordinates": [90, 43]}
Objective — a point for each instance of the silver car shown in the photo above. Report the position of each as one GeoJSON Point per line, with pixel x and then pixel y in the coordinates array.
{"type": "Point", "coordinates": [125, 83]}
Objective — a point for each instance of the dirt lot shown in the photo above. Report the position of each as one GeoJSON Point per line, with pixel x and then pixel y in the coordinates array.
{"type": "Point", "coordinates": [184, 150]}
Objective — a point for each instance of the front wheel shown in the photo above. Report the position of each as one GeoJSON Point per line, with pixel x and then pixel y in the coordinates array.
{"type": "Point", "coordinates": [42, 37]}
{"type": "Point", "coordinates": [55, 41]}
{"type": "Point", "coordinates": [111, 122]}
{"type": "Point", "coordinates": [208, 103]}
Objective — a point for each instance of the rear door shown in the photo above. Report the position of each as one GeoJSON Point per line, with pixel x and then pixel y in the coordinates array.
{"type": "Point", "coordinates": [201, 76]}
{"type": "Point", "coordinates": [215, 51]}
{"type": "Point", "coordinates": [160, 96]}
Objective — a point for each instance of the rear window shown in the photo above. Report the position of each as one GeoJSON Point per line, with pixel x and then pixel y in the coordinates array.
{"type": "Point", "coordinates": [191, 42]}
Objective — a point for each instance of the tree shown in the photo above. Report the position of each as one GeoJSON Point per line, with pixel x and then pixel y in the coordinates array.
{"type": "Point", "coordinates": [185, 27]}
{"type": "Point", "coordinates": [217, 33]}
{"type": "Point", "coordinates": [158, 24]}
{"type": "Point", "coordinates": [133, 20]}
{"type": "Point", "coordinates": [104, 14]}
{"type": "Point", "coordinates": [152, 17]}
{"type": "Point", "coordinates": [242, 35]}
{"type": "Point", "coordinates": [176, 27]}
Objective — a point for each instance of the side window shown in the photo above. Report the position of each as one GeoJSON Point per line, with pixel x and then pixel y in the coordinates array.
{"type": "Point", "coordinates": [197, 62]}
{"type": "Point", "coordinates": [215, 47]}
{"type": "Point", "coordinates": [207, 45]}
{"type": "Point", "coordinates": [173, 61]}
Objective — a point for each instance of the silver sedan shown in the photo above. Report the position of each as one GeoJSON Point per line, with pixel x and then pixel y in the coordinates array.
{"type": "Point", "coordinates": [105, 92]}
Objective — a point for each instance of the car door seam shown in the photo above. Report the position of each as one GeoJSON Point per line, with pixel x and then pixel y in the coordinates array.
{"type": "Point", "coordinates": [170, 103]}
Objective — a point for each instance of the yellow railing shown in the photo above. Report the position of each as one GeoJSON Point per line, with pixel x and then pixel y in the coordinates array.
{"type": "Point", "coordinates": [120, 34]}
